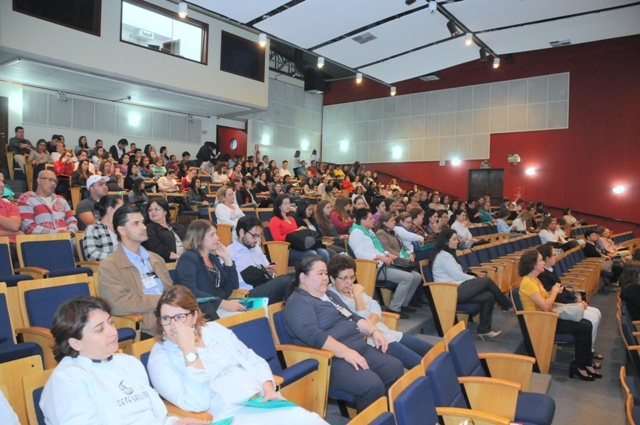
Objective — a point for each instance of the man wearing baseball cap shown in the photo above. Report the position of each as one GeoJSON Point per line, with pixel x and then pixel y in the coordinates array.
{"type": "Point", "coordinates": [85, 211]}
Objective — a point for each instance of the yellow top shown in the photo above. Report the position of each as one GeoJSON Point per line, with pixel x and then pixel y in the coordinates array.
{"type": "Point", "coordinates": [528, 287]}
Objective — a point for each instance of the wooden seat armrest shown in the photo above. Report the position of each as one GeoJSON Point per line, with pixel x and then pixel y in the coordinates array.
{"type": "Point", "coordinates": [390, 319]}
{"type": "Point", "coordinates": [480, 270]}
{"type": "Point", "coordinates": [90, 264]}
{"type": "Point", "coordinates": [36, 331]}
{"type": "Point", "coordinates": [507, 260]}
{"type": "Point", "coordinates": [305, 350]}
{"type": "Point", "coordinates": [35, 272]}
{"type": "Point", "coordinates": [510, 367]}
{"type": "Point", "coordinates": [239, 293]}
{"type": "Point", "coordinates": [132, 320]}
{"type": "Point", "coordinates": [456, 415]}
{"type": "Point", "coordinates": [278, 380]}
{"type": "Point", "coordinates": [174, 410]}
{"type": "Point", "coordinates": [492, 395]}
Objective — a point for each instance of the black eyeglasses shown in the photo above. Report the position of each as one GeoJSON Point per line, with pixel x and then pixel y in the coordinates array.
{"type": "Point", "coordinates": [255, 236]}
{"type": "Point", "coordinates": [182, 317]}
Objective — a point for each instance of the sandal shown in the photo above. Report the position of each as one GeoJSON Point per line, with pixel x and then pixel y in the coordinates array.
{"type": "Point", "coordinates": [596, 365]}
{"type": "Point", "coordinates": [597, 356]}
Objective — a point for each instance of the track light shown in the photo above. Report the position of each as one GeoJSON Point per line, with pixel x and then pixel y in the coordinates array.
{"type": "Point", "coordinates": [409, 2]}
{"type": "Point", "coordinates": [393, 90]}
{"type": "Point", "coordinates": [433, 6]}
{"type": "Point", "coordinates": [451, 26]}
{"type": "Point", "coordinates": [183, 9]}
{"type": "Point", "coordinates": [468, 39]}
{"type": "Point", "coordinates": [496, 62]}
{"type": "Point", "coordinates": [359, 77]}
{"type": "Point", "coordinates": [320, 61]}
{"type": "Point", "coordinates": [262, 39]}
{"type": "Point", "coordinates": [483, 55]}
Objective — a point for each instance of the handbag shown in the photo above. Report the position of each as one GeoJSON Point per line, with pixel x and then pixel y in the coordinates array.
{"type": "Point", "coordinates": [404, 264]}
{"type": "Point", "coordinates": [304, 240]}
{"type": "Point", "coordinates": [573, 312]}
{"type": "Point", "coordinates": [255, 276]}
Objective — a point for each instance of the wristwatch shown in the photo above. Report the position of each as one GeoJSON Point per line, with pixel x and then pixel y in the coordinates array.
{"type": "Point", "coordinates": [191, 357]}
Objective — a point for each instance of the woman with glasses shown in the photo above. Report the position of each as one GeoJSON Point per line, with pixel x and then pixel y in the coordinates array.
{"type": "Point", "coordinates": [406, 348]}
{"type": "Point", "coordinates": [92, 383]}
{"type": "Point", "coordinates": [203, 366]}
{"type": "Point", "coordinates": [164, 238]}
{"type": "Point", "coordinates": [206, 267]}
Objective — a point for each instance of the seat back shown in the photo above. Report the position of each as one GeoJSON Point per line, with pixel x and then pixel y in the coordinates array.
{"type": "Point", "coordinates": [416, 405]}
{"type": "Point", "coordinates": [463, 351]}
{"type": "Point", "coordinates": [515, 297]}
{"type": "Point", "coordinates": [11, 375]}
{"type": "Point", "coordinates": [278, 252]}
{"type": "Point", "coordinates": [376, 414]}
{"type": "Point", "coordinates": [35, 251]}
{"type": "Point", "coordinates": [252, 328]}
{"type": "Point", "coordinates": [366, 273]}
{"type": "Point", "coordinates": [224, 233]}
{"type": "Point", "coordinates": [6, 263]}
{"type": "Point", "coordinates": [445, 385]}
{"type": "Point", "coordinates": [264, 214]}
{"type": "Point", "coordinates": [7, 335]}
{"type": "Point", "coordinates": [278, 329]}
{"type": "Point", "coordinates": [33, 386]}
{"type": "Point", "coordinates": [443, 299]}
{"type": "Point", "coordinates": [40, 298]}
{"type": "Point", "coordinates": [212, 215]}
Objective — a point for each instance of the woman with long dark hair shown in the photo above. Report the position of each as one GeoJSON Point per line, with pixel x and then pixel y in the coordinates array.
{"type": "Point", "coordinates": [305, 217]}
{"type": "Point", "coordinates": [471, 289]}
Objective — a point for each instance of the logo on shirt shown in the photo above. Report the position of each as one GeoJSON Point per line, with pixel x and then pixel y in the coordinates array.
{"type": "Point", "coordinates": [125, 389]}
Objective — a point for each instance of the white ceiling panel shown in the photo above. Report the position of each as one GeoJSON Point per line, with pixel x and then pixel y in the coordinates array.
{"type": "Point", "coordinates": [240, 10]}
{"type": "Point", "coordinates": [424, 61]}
{"type": "Point", "coordinates": [479, 15]}
{"type": "Point", "coordinates": [392, 38]}
{"type": "Point", "coordinates": [314, 22]}
{"type": "Point", "coordinates": [581, 29]}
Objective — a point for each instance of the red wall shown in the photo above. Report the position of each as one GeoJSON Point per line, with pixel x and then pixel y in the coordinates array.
{"type": "Point", "coordinates": [576, 167]}
{"type": "Point", "coordinates": [225, 134]}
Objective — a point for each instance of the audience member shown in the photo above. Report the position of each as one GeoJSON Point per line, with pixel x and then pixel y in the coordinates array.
{"type": "Point", "coordinates": [85, 210]}
{"type": "Point", "coordinates": [163, 237]}
{"type": "Point", "coordinates": [365, 245]}
{"type": "Point", "coordinates": [20, 147]}
{"type": "Point", "coordinates": [43, 211]}
{"type": "Point", "coordinates": [131, 278]}
{"type": "Point", "coordinates": [119, 150]}
{"type": "Point", "coordinates": [99, 239]}
{"type": "Point", "coordinates": [10, 220]}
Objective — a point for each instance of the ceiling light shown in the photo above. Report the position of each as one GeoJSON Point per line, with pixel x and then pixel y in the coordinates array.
{"type": "Point", "coordinates": [262, 39]}
{"type": "Point", "coordinates": [393, 90]}
{"type": "Point", "coordinates": [455, 162]}
{"type": "Point", "coordinates": [433, 6]}
{"type": "Point", "coordinates": [496, 62]}
{"type": "Point", "coordinates": [618, 189]}
{"type": "Point", "coordinates": [320, 61]}
{"type": "Point", "coordinates": [359, 77]}
{"type": "Point", "coordinates": [451, 26]}
{"type": "Point", "coordinates": [468, 39]}
{"type": "Point", "coordinates": [183, 9]}
{"type": "Point", "coordinates": [530, 171]}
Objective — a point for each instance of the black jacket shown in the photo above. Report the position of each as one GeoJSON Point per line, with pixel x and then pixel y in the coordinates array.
{"type": "Point", "coordinates": [161, 240]}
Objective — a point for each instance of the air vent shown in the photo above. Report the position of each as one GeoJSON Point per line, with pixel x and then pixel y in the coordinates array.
{"type": "Point", "coordinates": [560, 43]}
{"type": "Point", "coordinates": [431, 77]}
{"type": "Point", "coordinates": [365, 37]}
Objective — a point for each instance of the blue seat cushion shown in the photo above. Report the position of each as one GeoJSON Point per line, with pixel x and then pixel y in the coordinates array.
{"type": "Point", "coordinates": [126, 334]}
{"type": "Point", "coordinates": [415, 405]}
{"type": "Point", "coordinates": [12, 280]}
{"type": "Point", "coordinates": [298, 370]}
{"type": "Point", "coordinates": [471, 308]}
{"type": "Point", "coordinates": [535, 408]}
{"type": "Point", "coordinates": [71, 271]}
{"type": "Point", "coordinates": [19, 351]}
{"type": "Point", "coordinates": [341, 395]}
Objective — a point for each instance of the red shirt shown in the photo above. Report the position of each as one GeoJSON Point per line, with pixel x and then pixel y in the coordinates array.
{"type": "Point", "coordinates": [280, 228]}
{"type": "Point", "coordinates": [62, 168]}
{"type": "Point", "coordinates": [9, 209]}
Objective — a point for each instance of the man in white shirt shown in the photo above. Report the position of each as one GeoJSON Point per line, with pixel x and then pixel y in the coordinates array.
{"type": "Point", "coordinates": [284, 171]}
{"type": "Point", "coordinates": [365, 245]}
{"type": "Point", "coordinates": [250, 261]}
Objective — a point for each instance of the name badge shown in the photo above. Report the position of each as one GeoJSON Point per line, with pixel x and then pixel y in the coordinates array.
{"type": "Point", "coordinates": [149, 283]}
{"type": "Point", "coordinates": [344, 311]}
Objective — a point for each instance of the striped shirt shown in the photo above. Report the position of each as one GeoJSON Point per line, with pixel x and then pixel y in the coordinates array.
{"type": "Point", "coordinates": [39, 217]}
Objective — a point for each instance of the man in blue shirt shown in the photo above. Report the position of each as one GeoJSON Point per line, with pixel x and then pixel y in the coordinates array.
{"type": "Point", "coordinates": [255, 274]}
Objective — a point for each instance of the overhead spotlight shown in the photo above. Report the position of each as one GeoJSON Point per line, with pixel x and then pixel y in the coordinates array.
{"type": "Point", "coordinates": [183, 9]}
{"type": "Point", "coordinates": [409, 2]}
{"type": "Point", "coordinates": [496, 63]}
{"type": "Point", "coordinates": [455, 162]}
{"type": "Point", "coordinates": [359, 77]}
{"type": "Point", "coordinates": [618, 189]}
{"type": "Point", "coordinates": [530, 171]}
{"type": "Point", "coordinates": [320, 61]}
{"type": "Point", "coordinates": [468, 39]}
{"type": "Point", "coordinates": [483, 55]}
{"type": "Point", "coordinates": [451, 26]}
{"type": "Point", "coordinates": [433, 6]}
{"type": "Point", "coordinates": [393, 90]}
{"type": "Point", "coordinates": [262, 39]}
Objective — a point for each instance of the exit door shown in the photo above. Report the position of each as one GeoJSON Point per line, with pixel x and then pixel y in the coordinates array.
{"type": "Point", "coordinates": [487, 182]}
